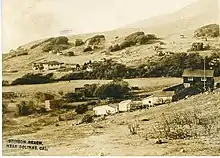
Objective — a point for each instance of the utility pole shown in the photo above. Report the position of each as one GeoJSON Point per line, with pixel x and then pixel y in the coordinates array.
{"type": "Point", "coordinates": [204, 74]}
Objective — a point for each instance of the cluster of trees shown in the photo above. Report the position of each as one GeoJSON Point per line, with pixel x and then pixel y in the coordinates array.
{"type": "Point", "coordinates": [31, 78]}
{"type": "Point", "coordinates": [211, 30]}
{"type": "Point", "coordinates": [117, 89]}
{"type": "Point", "coordinates": [56, 44]}
{"type": "Point", "coordinates": [175, 64]}
{"type": "Point", "coordinates": [137, 38]}
{"type": "Point", "coordinates": [169, 65]}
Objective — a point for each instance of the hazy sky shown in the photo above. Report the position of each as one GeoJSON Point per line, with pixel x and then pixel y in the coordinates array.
{"type": "Point", "coordinates": [27, 20]}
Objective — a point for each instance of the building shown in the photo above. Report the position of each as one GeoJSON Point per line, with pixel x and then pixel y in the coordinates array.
{"type": "Point", "coordinates": [106, 109]}
{"type": "Point", "coordinates": [125, 105]}
{"type": "Point", "coordinates": [37, 66]}
{"type": "Point", "coordinates": [198, 77]}
{"type": "Point", "coordinates": [51, 104]}
{"type": "Point", "coordinates": [89, 69]}
{"type": "Point", "coordinates": [158, 98]}
{"type": "Point", "coordinates": [52, 65]}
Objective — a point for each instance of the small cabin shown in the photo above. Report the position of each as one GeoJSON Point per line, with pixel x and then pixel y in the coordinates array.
{"type": "Point", "coordinates": [52, 65]}
{"type": "Point", "coordinates": [159, 98]}
{"type": "Point", "coordinates": [105, 110]}
{"type": "Point", "coordinates": [198, 77]}
{"type": "Point", "coordinates": [51, 104]}
{"type": "Point", "coordinates": [125, 105]}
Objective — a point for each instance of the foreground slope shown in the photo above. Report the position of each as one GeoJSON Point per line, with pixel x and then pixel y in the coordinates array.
{"type": "Point", "coordinates": [112, 136]}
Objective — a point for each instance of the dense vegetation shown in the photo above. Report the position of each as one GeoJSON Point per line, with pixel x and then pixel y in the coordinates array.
{"type": "Point", "coordinates": [117, 89]}
{"type": "Point", "coordinates": [56, 44]}
{"type": "Point", "coordinates": [33, 79]}
{"type": "Point", "coordinates": [171, 65]}
{"type": "Point", "coordinates": [211, 30]}
{"type": "Point", "coordinates": [136, 38]}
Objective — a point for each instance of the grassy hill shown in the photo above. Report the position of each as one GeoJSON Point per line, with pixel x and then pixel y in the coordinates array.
{"type": "Point", "coordinates": [112, 136]}
{"type": "Point", "coordinates": [168, 28]}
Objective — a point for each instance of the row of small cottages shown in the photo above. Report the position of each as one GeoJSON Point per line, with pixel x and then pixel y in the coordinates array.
{"type": "Point", "coordinates": [128, 105]}
{"type": "Point", "coordinates": [190, 78]}
{"type": "Point", "coordinates": [113, 108]}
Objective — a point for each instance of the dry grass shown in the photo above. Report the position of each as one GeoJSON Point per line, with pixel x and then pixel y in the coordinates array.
{"type": "Point", "coordinates": [113, 137]}
{"type": "Point", "coordinates": [70, 86]}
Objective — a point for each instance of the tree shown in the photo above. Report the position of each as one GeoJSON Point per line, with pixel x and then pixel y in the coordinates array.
{"type": "Point", "coordinates": [61, 40]}
{"type": "Point", "coordinates": [114, 89]}
{"type": "Point", "coordinates": [71, 97]}
{"type": "Point", "coordinates": [25, 108]}
{"type": "Point", "coordinates": [81, 109]}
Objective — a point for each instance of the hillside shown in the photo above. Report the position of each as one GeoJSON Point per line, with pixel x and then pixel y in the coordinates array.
{"type": "Point", "coordinates": [111, 136]}
{"type": "Point", "coordinates": [167, 27]}
{"type": "Point", "coordinates": [200, 13]}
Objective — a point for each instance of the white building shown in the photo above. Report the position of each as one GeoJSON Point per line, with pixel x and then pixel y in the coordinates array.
{"type": "Point", "coordinates": [125, 105]}
{"type": "Point", "coordinates": [52, 65]}
{"type": "Point", "coordinates": [158, 98]}
{"type": "Point", "coordinates": [105, 109]}
{"type": "Point", "coordinates": [89, 69]}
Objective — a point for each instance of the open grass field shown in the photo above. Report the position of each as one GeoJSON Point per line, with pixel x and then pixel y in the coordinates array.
{"type": "Point", "coordinates": [111, 137]}
{"type": "Point", "coordinates": [70, 86]}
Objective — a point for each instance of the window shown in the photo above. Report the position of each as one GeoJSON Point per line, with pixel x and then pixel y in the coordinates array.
{"type": "Point", "coordinates": [203, 79]}
{"type": "Point", "coordinates": [190, 78]}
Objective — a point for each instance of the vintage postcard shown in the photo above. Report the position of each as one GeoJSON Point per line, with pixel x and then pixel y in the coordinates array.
{"type": "Point", "coordinates": [110, 78]}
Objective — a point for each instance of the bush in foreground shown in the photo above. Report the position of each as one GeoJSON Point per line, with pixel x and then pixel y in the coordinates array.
{"type": "Point", "coordinates": [186, 124]}
{"type": "Point", "coordinates": [25, 108]}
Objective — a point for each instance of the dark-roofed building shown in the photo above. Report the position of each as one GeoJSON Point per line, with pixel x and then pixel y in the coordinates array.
{"type": "Point", "coordinates": [198, 77]}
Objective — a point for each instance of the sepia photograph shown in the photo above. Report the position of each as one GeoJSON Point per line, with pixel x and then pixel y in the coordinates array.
{"type": "Point", "coordinates": [110, 77]}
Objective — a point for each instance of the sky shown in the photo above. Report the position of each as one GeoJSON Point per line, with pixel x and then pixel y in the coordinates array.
{"type": "Point", "coordinates": [27, 20]}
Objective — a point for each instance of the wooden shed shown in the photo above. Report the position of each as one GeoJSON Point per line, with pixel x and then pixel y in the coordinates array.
{"type": "Point", "coordinates": [51, 104]}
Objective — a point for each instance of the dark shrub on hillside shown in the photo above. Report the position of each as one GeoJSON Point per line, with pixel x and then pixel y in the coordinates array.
{"type": "Point", "coordinates": [40, 43]}
{"type": "Point", "coordinates": [25, 108]}
{"type": "Point", "coordinates": [48, 47]}
{"type": "Point", "coordinates": [137, 38]}
{"type": "Point", "coordinates": [33, 79]}
{"type": "Point", "coordinates": [150, 37]}
{"type": "Point", "coordinates": [81, 109]}
{"type": "Point", "coordinates": [126, 44]}
{"type": "Point", "coordinates": [87, 119]}
{"type": "Point", "coordinates": [106, 70]}
{"type": "Point", "coordinates": [114, 48]}
{"type": "Point", "coordinates": [5, 83]}
{"type": "Point", "coordinates": [95, 40]}
{"type": "Point", "coordinates": [57, 44]}
{"type": "Point", "coordinates": [70, 53]}
{"type": "Point", "coordinates": [72, 76]}
{"type": "Point", "coordinates": [78, 42]}
{"type": "Point", "coordinates": [4, 107]}
{"type": "Point", "coordinates": [60, 40]}
{"type": "Point", "coordinates": [211, 30]}
{"type": "Point", "coordinates": [197, 46]}
{"type": "Point", "coordinates": [88, 48]}
{"type": "Point", "coordinates": [89, 90]}
{"type": "Point", "coordinates": [43, 96]}
{"type": "Point", "coordinates": [183, 92]}
{"type": "Point", "coordinates": [218, 85]}
{"type": "Point", "coordinates": [114, 89]}
{"type": "Point", "coordinates": [9, 95]}
{"type": "Point", "coordinates": [141, 39]}
{"type": "Point", "coordinates": [22, 53]}
{"type": "Point", "coordinates": [133, 36]}
{"type": "Point", "coordinates": [71, 97]}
